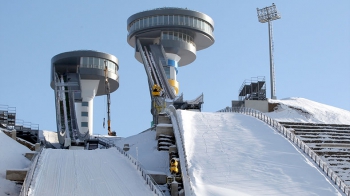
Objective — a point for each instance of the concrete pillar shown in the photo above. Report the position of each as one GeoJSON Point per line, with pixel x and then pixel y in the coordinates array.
{"type": "Point", "coordinates": [174, 188]}
{"type": "Point", "coordinates": [14, 134]}
{"type": "Point", "coordinates": [37, 147]}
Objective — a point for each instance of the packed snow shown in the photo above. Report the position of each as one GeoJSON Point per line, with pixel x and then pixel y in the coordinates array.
{"type": "Point", "coordinates": [235, 154]}
{"type": "Point", "coordinates": [86, 172]}
{"type": "Point", "coordinates": [50, 137]}
{"type": "Point", "coordinates": [12, 157]}
{"type": "Point", "coordinates": [295, 109]}
{"type": "Point", "coordinates": [143, 147]}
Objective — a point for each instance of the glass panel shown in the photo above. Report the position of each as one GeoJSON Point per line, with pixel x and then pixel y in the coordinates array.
{"type": "Point", "coordinates": [141, 23]}
{"type": "Point", "coordinates": [136, 25]}
{"type": "Point", "coordinates": [84, 114]}
{"type": "Point", "coordinates": [154, 20]}
{"type": "Point", "coordinates": [84, 103]}
{"type": "Point", "coordinates": [166, 18]}
{"type": "Point", "coordinates": [85, 61]}
{"type": "Point", "coordinates": [161, 20]}
{"type": "Point", "coordinates": [90, 62]}
{"type": "Point", "coordinates": [171, 20]}
{"type": "Point", "coordinates": [84, 124]}
{"type": "Point", "coordinates": [181, 19]}
{"type": "Point", "coordinates": [176, 19]}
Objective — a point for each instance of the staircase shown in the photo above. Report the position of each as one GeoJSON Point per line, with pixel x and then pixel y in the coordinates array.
{"type": "Point", "coordinates": [329, 141]}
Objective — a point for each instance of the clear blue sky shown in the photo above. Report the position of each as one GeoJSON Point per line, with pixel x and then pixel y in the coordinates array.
{"type": "Point", "coordinates": [312, 44]}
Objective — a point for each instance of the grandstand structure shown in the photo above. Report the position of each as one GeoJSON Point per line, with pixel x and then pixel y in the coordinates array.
{"type": "Point", "coordinates": [24, 130]}
{"type": "Point", "coordinates": [329, 141]}
{"type": "Point", "coordinates": [253, 89]}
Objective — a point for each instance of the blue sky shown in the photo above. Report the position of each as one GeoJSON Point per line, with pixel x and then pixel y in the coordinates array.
{"type": "Point", "coordinates": [312, 44]}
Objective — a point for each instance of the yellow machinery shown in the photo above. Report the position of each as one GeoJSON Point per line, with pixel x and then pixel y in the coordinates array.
{"type": "Point", "coordinates": [110, 133]}
{"type": "Point", "coordinates": [174, 166]}
{"type": "Point", "coordinates": [156, 90]}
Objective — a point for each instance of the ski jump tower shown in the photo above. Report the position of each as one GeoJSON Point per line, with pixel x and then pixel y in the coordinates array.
{"type": "Point", "coordinates": [77, 77]}
{"type": "Point", "coordinates": [165, 39]}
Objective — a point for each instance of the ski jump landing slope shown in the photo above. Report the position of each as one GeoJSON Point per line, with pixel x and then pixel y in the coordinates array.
{"type": "Point", "coordinates": [86, 172]}
{"type": "Point", "coordinates": [235, 154]}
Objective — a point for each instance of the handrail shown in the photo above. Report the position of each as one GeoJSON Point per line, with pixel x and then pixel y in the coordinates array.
{"type": "Point", "coordinates": [109, 143]}
{"type": "Point", "coordinates": [177, 126]}
{"type": "Point", "coordinates": [29, 177]}
{"type": "Point", "coordinates": [144, 173]}
{"type": "Point", "coordinates": [296, 141]}
{"type": "Point", "coordinates": [145, 64]}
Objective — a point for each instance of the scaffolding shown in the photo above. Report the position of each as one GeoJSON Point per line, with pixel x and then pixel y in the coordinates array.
{"type": "Point", "coordinates": [253, 89]}
{"type": "Point", "coordinates": [7, 116]}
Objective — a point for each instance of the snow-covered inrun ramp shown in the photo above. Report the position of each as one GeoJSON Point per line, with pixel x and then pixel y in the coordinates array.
{"type": "Point", "coordinates": [86, 172]}
{"type": "Point", "coordinates": [235, 154]}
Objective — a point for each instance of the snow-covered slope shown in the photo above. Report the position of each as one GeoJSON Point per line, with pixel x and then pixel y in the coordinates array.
{"type": "Point", "coordinates": [303, 110]}
{"type": "Point", "coordinates": [11, 157]}
{"type": "Point", "coordinates": [143, 147]}
{"type": "Point", "coordinates": [86, 172]}
{"type": "Point", "coordinates": [235, 154]}
{"type": "Point", "coordinates": [227, 153]}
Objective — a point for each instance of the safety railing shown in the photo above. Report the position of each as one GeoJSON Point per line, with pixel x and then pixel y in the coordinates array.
{"type": "Point", "coordinates": [29, 177]}
{"type": "Point", "coordinates": [108, 142]}
{"type": "Point", "coordinates": [296, 141]}
{"type": "Point", "coordinates": [145, 175]}
{"type": "Point", "coordinates": [177, 126]}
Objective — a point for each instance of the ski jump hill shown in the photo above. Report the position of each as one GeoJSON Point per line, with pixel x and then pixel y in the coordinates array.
{"type": "Point", "coordinates": [234, 152]}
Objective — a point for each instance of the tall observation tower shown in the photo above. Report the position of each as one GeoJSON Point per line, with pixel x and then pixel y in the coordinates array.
{"type": "Point", "coordinates": [77, 77]}
{"type": "Point", "coordinates": [164, 40]}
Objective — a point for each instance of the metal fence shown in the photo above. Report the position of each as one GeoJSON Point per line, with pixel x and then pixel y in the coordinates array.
{"type": "Point", "coordinates": [296, 141]}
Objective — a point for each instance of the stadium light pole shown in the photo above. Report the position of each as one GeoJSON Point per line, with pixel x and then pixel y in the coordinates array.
{"type": "Point", "coordinates": [268, 14]}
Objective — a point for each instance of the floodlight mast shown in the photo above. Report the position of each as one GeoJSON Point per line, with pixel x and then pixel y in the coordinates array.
{"type": "Point", "coordinates": [268, 14]}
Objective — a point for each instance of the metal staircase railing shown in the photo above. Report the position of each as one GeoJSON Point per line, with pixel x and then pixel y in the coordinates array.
{"type": "Point", "coordinates": [296, 141]}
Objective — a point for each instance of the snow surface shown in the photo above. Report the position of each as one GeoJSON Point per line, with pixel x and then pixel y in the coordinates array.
{"type": "Point", "coordinates": [12, 157]}
{"type": "Point", "coordinates": [143, 147]}
{"type": "Point", "coordinates": [50, 137]}
{"type": "Point", "coordinates": [228, 154]}
{"type": "Point", "coordinates": [86, 172]}
{"type": "Point", "coordinates": [295, 109]}
{"type": "Point", "coordinates": [235, 154]}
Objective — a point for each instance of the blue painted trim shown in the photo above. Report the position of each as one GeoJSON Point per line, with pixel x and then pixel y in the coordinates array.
{"type": "Point", "coordinates": [173, 63]}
